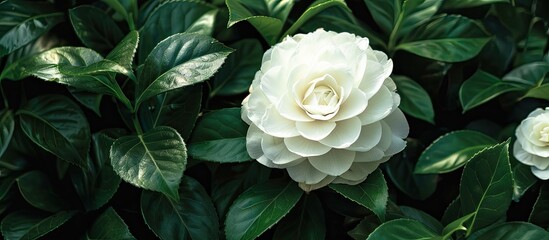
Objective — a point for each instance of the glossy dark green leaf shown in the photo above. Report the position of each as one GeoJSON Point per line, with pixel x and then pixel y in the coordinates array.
{"type": "Point", "coordinates": [486, 187]}
{"type": "Point", "coordinates": [511, 231]}
{"type": "Point", "coordinates": [523, 179]}
{"type": "Point", "coordinates": [452, 212]}
{"type": "Point", "coordinates": [177, 108]}
{"type": "Point", "coordinates": [109, 225]}
{"type": "Point", "coordinates": [90, 100]}
{"type": "Point", "coordinates": [316, 8]}
{"type": "Point", "coordinates": [193, 217]}
{"type": "Point", "coordinates": [268, 17]}
{"type": "Point", "coordinates": [173, 17]}
{"type": "Point", "coordinates": [457, 225]}
{"type": "Point", "coordinates": [6, 182]}
{"type": "Point", "coordinates": [98, 183]}
{"type": "Point", "coordinates": [12, 160]}
{"type": "Point", "coordinates": [400, 169]}
{"type": "Point", "coordinates": [154, 161]}
{"type": "Point", "coordinates": [453, 4]}
{"type": "Point", "coordinates": [414, 100]}
{"type": "Point", "coordinates": [259, 208]}
{"type": "Point", "coordinates": [39, 191]}
{"type": "Point", "coordinates": [180, 60]}
{"type": "Point", "coordinates": [127, 12]}
{"type": "Point", "coordinates": [236, 75]}
{"type": "Point", "coordinates": [403, 229]}
{"type": "Point", "coordinates": [58, 125]}
{"type": "Point", "coordinates": [364, 228]}
{"type": "Point", "coordinates": [451, 151]}
{"type": "Point", "coordinates": [303, 222]}
{"type": "Point", "coordinates": [24, 21]}
{"type": "Point", "coordinates": [220, 136]}
{"type": "Point", "coordinates": [230, 181]}
{"type": "Point", "coordinates": [540, 210]}
{"type": "Point", "coordinates": [7, 125]}
{"type": "Point", "coordinates": [124, 52]}
{"type": "Point", "coordinates": [372, 193]}
{"type": "Point", "coordinates": [77, 67]}
{"type": "Point", "coordinates": [422, 217]}
{"type": "Point", "coordinates": [435, 40]}
{"type": "Point", "coordinates": [32, 225]}
{"type": "Point", "coordinates": [531, 74]}
{"type": "Point", "coordinates": [481, 88]}
{"type": "Point", "coordinates": [95, 28]}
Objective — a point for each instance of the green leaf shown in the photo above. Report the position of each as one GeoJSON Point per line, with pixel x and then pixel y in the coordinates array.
{"type": "Point", "coordinates": [415, 101]}
{"type": "Point", "coordinates": [236, 75]}
{"type": "Point", "coordinates": [177, 108]}
{"type": "Point", "coordinates": [22, 22]}
{"type": "Point", "coordinates": [98, 183]}
{"type": "Point", "coordinates": [457, 225]}
{"type": "Point", "coordinates": [109, 226]}
{"type": "Point", "coordinates": [95, 28]}
{"type": "Point", "coordinates": [89, 100]}
{"type": "Point", "coordinates": [5, 184]}
{"type": "Point", "coordinates": [32, 225]}
{"type": "Point", "coordinates": [372, 193]}
{"type": "Point", "coordinates": [481, 88]}
{"type": "Point", "coordinates": [180, 60]}
{"type": "Point", "coordinates": [7, 125]}
{"type": "Point", "coordinates": [403, 229]}
{"type": "Point", "coordinates": [173, 17]}
{"type": "Point", "coordinates": [230, 181]}
{"type": "Point", "coordinates": [421, 217]}
{"type": "Point", "coordinates": [58, 125]}
{"type": "Point", "coordinates": [268, 17]}
{"type": "Point", "coordinates": [154, 161]}
{"type": "Point", "coordinates": [451, 151]}
{"type": "Point", "coordinates": [486, 186]}
{"type": "Point", "coordinates": [193, 217]}
{"type": "Point", "coordinates": [364, 228]}
{"type": "Point", "coordinates": [259, 208]}
{"type": "Point", "coordinates": [540, 210]}
{"type": "Point", "coordinates": [452, 212]}
{"type": "Point", "coordinates": [118, 6]}
{"type": "Point", "coordinates": [523, 179]}
{"type": "Point", "coordinates": [124, 52]}
{"type": "Point", "coordinates": [81, 68]}
{"type": "Point", "coordinates": [303, 222]}
{"type": "Point", "coordinates": [531, 74]}
{"type": "Point", "coordinates": [401, 172]}
{"type": "Point", "coordinates": [454, 4]}
{"type": "Point", "coordinates": [220, 136]}
{"type": "Point", "coordinates": [511, 231]}
{"type": "Point", "coordinates": [38, 190]}
{"type": "Point", "coordinates": [316, 8]}
{"type": "Point", "coordinates": [436, 40]}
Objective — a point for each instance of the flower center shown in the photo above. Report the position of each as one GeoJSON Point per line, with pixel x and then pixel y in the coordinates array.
{"type": "Point", "coordinates": [544, 134]}
{"type": "Point", "coordinates": [321, 101]}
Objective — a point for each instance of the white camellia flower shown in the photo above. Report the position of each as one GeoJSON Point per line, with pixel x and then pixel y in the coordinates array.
{"type": "Point", "coordinates": [324, 108]}
{"type": "Point", "coordinates": [532, 145]}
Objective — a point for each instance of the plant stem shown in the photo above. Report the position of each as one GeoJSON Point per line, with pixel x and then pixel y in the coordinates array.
{"type": "Point", "coordinates": [6, 105]}
{"type": "Point", "coordinates": [137, 125]}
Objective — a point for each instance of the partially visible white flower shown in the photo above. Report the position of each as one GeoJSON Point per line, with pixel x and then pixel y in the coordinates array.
{"type": "Point", "coordinates": [324, 108]}
{"type": "Point", "coordinates": [532, 145]}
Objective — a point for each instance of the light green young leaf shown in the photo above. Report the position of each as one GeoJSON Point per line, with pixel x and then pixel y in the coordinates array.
{"type": "Point", "coordinates": [457, 225]}
{"type": "Point", "coordinates": [451, 151]}
{"type": "Point", "coordinates": [24, 21]}
{"type": "Point", "coordinates": [193, 217]}
{"type": "Point", "coordinates": [372, 193]}
{"type": "Point", "coordinates": [220, 136]}
{"type": "Point", "coordinates": [154, 160]}
{"type": "Point", "coordinates": [58, 125]}
{"type": "Point", "coordinates": [180, 60]}
{"type": "Point", "coordinates": [259, 208]}
{"type": "Point", "coordinates": [268, 17]}
{"type": "Point", "coordinates": [414, 101]}
{"type": "Point", "coordinates": [486, 186]}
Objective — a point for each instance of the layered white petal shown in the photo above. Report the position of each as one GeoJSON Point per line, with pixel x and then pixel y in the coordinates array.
{"type": "Point", "coordinates": [379, 106]}
{"type": "Point", "coordinates": [310, 187]}
{"type": "Point", "coordinates": [315, 130]}
{"type": "Point", "coordinates": [354, 105]}
{"type": "Point", "coordinates": [541, 174]}
{"type": "Point", "coordinates": [275, 124]}
{"type": "Point", "coordinates": [359, 171]}
{"type": "Point", "coordinates": [275, 149]}
{"type": "Point", "coordinates": [398, 124]}
{"type": "Point", "coordinates": [345, 133]}
{"type": "Point", "coordinates": [370, 135]}
{"type": "Point", "coordinates": [253, 142]}
{"type": "Point", "coordinates": [305, 147]}
{"type": "Point", "coordinates": [334, 163]}
{"type": "Point", "coordinates": [306, 173]}
{"type": "Point", "coordinates": [290, 109]}
{"type": "Point", "coordinates": [374, 154]}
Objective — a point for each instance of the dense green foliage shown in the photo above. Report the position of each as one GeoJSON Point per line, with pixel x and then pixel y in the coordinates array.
{"type": "Point", "coordinates": [121, 120]}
